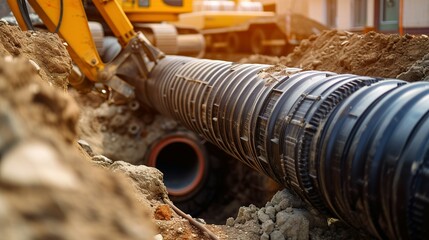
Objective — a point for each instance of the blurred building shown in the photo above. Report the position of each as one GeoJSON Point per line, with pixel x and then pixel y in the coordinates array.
{"type": "Point", "coordinates": [361, 15]}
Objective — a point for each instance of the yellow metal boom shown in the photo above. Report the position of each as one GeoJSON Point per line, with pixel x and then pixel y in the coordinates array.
{"type": "Point", "coordinates": [68, 18]}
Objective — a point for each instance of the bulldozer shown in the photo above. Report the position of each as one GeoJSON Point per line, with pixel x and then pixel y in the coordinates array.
{"type": "Point", "coordinates": [353, 147]}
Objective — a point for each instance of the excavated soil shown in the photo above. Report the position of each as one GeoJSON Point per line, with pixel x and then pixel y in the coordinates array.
{"type": "Point", "coordinates": [50, 188]}
{"type": "Point", "coordinates": [44, 50]}
{"type": "Point", "coordinates": [371, 54]}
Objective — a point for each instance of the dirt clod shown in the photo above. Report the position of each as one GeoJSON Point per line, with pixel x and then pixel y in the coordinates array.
{"type": "Point", "coordinates": [163, 212]}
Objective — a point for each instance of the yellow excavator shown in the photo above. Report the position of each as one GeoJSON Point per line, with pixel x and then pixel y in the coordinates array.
{"type": "Point", "coordinates": [68, 19]}
{"type": "Point", "coordinates": [272, 27]}
{"type": "Point", "coordinates": [153, 19]}
{"type": "Point", "coordinates": [193, 27]}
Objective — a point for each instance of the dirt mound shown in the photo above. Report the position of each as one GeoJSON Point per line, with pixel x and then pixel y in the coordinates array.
{"type": "Point", "coordinates": [47, 189]}
{"type": "Point", "coordinates": [44, 50]}
{"type": "Point", "coordinates": [371, 54]}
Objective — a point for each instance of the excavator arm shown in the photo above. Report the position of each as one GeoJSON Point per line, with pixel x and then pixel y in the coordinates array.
{"type": "Point", "coordinates": [68, 19]}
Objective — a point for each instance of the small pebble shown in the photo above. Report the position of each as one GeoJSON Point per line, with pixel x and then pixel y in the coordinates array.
{"type": "Point", "coordinates": [230, 222]}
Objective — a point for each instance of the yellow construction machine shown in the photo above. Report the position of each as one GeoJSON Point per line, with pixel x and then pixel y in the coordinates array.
{"type": "Point", "coordinates": [153, 19]}
{"type": "Point", "coordinates": [68, 19]}
{"type": "Point", "coordinates": [257, 27]}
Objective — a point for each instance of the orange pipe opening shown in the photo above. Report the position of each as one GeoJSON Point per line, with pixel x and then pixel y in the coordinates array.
{"type": "Point", "coordinates": [182, 161]}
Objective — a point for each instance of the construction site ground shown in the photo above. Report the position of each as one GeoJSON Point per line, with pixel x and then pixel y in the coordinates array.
{"type": "Point", "coordinates": [50, 188]}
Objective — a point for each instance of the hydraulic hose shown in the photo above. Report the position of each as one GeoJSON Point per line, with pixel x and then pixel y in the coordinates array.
{"type": "Point", "coordinates": [352, 146]}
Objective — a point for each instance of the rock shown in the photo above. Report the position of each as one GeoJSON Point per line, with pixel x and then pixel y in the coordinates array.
{"type": "Point", "coordinates": [230, 222]}
{"type": "Point", "coordinates": [102, 161]}
{"type": "Point", "coordinates": [425, 62]}
{"type": "Point", "coordinates": [271, 211]}
{"type": "Point", "coordinates": [408, 36]}
{"type": "Point", "coordinates": [293, 200]}
{"type": "Point", "coordinates": [146, 180]}
{"type": "Point", "coordinates": [295, 226]}
{"type": "Point", "coordinates": [262, 216]}
{"type": "Point", "coordinates": [276, 235]}
{"type": "Point", "coordinates": [265, 236]}
{"type": "Point", "coordinates": [413, 74]}
{"type": "Point", "coordinates": [279, 196]}
{"type": "Point", "coordinates": [281, 218]}
{"type": "Point", "coordinates": [36, 164]}
{"type": "Point", "coordinates": [268, 226]}
{"type": "Point", "coordinates": [417, 72]}
{"type": "Point", "coordinates": [158, 237]}
{"type": "Point", "coordinates": [285, 203]}
{"type": "Point", "coordinates": [246, 214]}
{"type": "Point", "coordinates": [86, 147]}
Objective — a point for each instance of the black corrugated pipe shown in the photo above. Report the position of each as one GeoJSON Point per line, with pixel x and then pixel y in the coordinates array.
{"type": "Point", "coordinates": [356, 147]}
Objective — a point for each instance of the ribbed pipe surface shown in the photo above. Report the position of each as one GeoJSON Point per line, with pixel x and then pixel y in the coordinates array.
{"type": "Point", "coordinates": [353, 146]}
